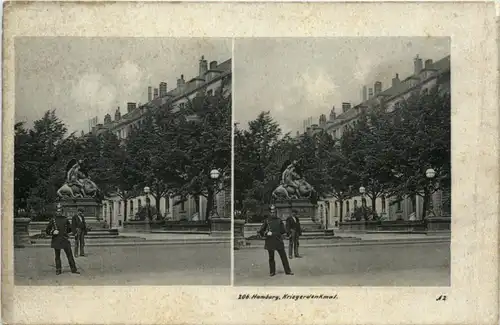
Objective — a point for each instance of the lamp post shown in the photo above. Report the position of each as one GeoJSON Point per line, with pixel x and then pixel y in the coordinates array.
{"type": "Point", "coordinates": [214, 175]}
{"type": "Point", "coordinates": [362, 190]}
{"type": "Point", "coordinates": [148, 201]}
{"type": "Point", "coordinates": [430, 174]}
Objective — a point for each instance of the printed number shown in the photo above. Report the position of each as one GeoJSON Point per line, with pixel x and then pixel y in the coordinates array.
{"type": "Point", "coordinates": [441, 298]}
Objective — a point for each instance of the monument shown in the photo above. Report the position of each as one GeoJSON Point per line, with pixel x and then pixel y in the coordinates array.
{"type": "Point", "coordinates": [79, 191]}
{"type": "Point", "coordinates": [294, 192]}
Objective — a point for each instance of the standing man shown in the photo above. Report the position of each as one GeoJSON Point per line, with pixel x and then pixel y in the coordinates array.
{"type": "Point", "coordinates": [273, 230]}
{"type": "Point", "coordinates": [79, 230]}
{"type": "Point", "coordinates": [293, 231]}
{"type": "Point", "coordinates": [60, 228]}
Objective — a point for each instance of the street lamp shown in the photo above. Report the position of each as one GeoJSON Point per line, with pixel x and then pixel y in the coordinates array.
{"type": "Point", "coordinates": [430, 174]}
{"type": "Point", "coordinates": [214, 175]}
{"type": "Point", "coordinates": [148, 201]}
{"type": "Point", "coordinates": [362, 190]}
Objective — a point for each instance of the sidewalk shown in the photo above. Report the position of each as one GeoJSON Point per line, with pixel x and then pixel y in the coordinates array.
{"type": "Point", "coordinates": [362, 239]}
{"type": "Point", "coordinates": [140, 238]}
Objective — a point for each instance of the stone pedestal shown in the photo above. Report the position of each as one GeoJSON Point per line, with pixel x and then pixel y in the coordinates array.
{"type": "Point", "coordinates": [306, 213]}
{"type": "Point", "coordinates": [438, 225]}
{"type": "Point", "coordinates": [239, 233]}
{"type": "Point", "coordinates": [21, 232]}
{"type": "Point", "coordinates": [220, 227]}
{"type": "Point", "coordinates": [91, 211]}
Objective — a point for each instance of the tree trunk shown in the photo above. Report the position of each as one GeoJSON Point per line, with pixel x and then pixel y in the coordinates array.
{"type": "Point", "coordinates": [426, 204]}
{"type": "Point", "coordinates": [197, 203]}
{"type": "Point", "coordinates": [341, 203]}
{"type": "Point", "coordinates": [157, 203]}
{"type": "Point", "coordinates": [125, 201]}
{"type": "Point", "coordinates": [210, 201]}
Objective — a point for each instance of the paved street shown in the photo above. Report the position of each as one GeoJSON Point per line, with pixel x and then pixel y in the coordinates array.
{"type": "Point", "coordinates": [374, 265]}
{"type": "Point", "coordinates": [129, 265]}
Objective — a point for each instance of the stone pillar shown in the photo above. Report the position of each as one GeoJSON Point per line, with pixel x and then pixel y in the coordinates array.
{"type": "Point", "coordinates": [21, 232]}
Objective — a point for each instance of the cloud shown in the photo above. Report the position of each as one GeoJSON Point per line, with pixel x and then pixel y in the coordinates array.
{"type": "Point", "coordinates": [93, 95]}
{"type": "Point", "coordinates": [130, 77]}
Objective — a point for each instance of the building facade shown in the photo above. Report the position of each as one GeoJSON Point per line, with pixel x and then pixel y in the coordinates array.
{"type": "Point", "coordinates": [426, 75]}
{"type": "Point", "coordinates": [211, 77]}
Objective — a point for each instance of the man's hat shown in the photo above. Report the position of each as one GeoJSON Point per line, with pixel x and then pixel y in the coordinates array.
{"type": "Point", "coordinates": [80, 210]}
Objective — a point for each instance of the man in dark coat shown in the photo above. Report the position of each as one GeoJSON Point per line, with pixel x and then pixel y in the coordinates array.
{"type": "Point", "coordinates": [293, 231]}
{"type": "Point", "coordinates": [273, 230]}
{"type": "Point", "coordinates": [60, 228]}
{"type": "Point", "coordinates": [79, 230]}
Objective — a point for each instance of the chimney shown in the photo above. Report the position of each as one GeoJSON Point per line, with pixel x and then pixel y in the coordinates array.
{"type": "Point", "coordinates": [346, 107]}
{"type": "Point", "coordinates": [370, 93]}
{"type": "Point", "coordinates": [396, 81]}
{"type": "Point", "coordinates": [417, 64]}
{"type": "Point", "coordinates": [107, 119]}
{"type": "Point", "coordinates": [130, 107]}
{"type": "Point", "coordinates": [308, 130]}
{"type": "Point", "coordinates": [333, 116]}
{"type": "Point", "coordinates": [163, 89]}
{"type": "Point", "coordinates": [155, 94]}
{"type": "Point", "coordinates": [428, 64]}
{"type": "Point", "coordinates": [150, 93]}
{"type": "Point", "coordinates": [377, 87]}
{"type": "Point", "coordinates": [118, 115]}
{"type": "Point", "coordinates": [203, 66]}
{"type": "Point", "coordinates": [213, 65]}
{"type": "Point", "coordinates": [365, 93]}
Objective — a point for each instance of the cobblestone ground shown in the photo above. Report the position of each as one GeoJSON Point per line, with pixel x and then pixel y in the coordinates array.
{"type": "Point", "coordinates": [129, 265]}
{"type": "Point", "coordinates": [375, 265]}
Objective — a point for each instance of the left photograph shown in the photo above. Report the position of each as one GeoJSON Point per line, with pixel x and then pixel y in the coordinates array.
{"type": "Point", "coordinates": [122, 161]}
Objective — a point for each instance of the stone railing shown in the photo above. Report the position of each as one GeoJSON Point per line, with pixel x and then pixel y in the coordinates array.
{"type": "Point", "coordinates": [220, 227]}
{"type": "Point", "coordinates": [438, 225]}
{"type": "Point", "coordinates": [142, 225]}
{"type": "Point", "coordinates": [358, 226]}
{"type": "Point", "coordinates": [239, 233]}
{"type": "Point", "coordinates": [21, 232]}
{"type": "Point", "coordinates": [250, 229]}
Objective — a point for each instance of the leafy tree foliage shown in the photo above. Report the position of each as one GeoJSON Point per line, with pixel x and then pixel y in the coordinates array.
{"type": "Point", "coordinates": [386, 153]}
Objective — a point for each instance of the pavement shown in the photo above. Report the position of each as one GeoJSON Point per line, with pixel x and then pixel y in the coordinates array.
{"type": "Point", "coordinates": [128, 265]}
{"type": "Point", "coordinates": [142, 238]}
{"type": "Point", "coordinates": [414, 264]}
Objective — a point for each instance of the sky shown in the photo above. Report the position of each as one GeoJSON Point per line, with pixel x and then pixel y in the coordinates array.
{"type": "Point", "coordinates": [296, 78]}
{"type": "Point", "coordinates": [85, 77]}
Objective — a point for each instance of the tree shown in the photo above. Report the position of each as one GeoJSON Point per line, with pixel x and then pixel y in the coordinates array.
{"type": "Point", "coordinates": [259, 155]}
{"type": "Point", "coordinates": [203, 144]}
{"type": "Point", "coordinates": [145, 162]}
{"type": "Point", "coordinates": [45, 141]}
{"type": "Point", "coordinates": [419, 138]}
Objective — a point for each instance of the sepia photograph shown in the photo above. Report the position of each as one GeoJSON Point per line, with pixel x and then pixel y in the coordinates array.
{"type": "Point", "coordinates": [342, 161]}
{"type": "Point", "coordinates": [122, 161]}
{"type": "Point", "coordinates": [215, 162]}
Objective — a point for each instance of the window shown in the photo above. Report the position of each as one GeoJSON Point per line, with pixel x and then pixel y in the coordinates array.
{"type": "Point", "coordinates": [355, 204]}
{"type": "Point", "coordinates": [383, 203]}
{"type": "Point", "coordinates": [139, 203]}
{"type": "Point", "coordinates": [210, 92]}
{"type": "Point", "coordinates": [336, 209]}
{"type": "Point", "coordinates": [413, 204]}
{"type": "Point", "coordinates": [398, 205]}
{"type": "Point", "coordinates": [347, 208]}
{"type": "Point", "coordinates": [167, 204]}
{"type": "Point", "coordinates": [183, 206]}
{"type": "Point", "coordinates": [131, 207]}
{"type": "Point", "coordinates": [119, 207]}
{"type": "Point", "coordinates": [181, 105]}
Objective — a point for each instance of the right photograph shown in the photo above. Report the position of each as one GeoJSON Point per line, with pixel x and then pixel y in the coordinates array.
{"type": "Point", "coordinates": [342, 161]}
